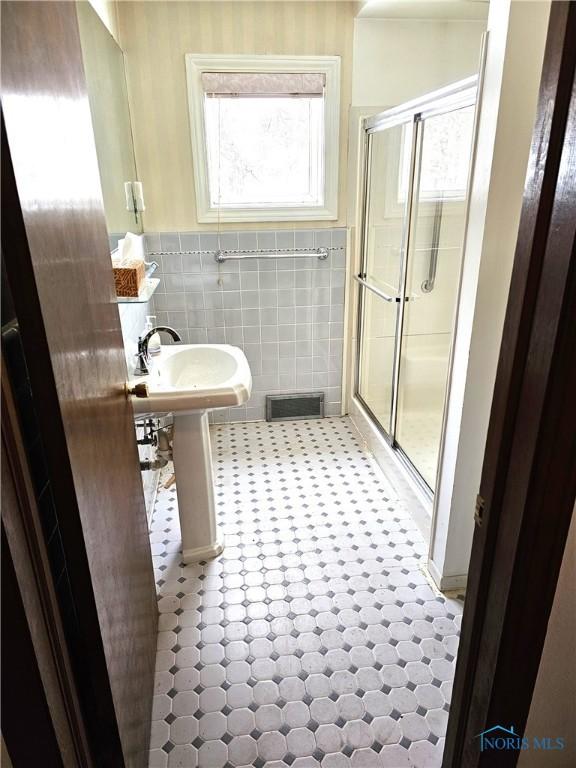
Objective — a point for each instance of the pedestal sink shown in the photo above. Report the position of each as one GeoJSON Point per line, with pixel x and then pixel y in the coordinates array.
{"type": "Point", "coordinates": [188, 380]}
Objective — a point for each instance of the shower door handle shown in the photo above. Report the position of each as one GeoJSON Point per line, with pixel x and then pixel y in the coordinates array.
{"type": "Point", "coordinates": [359, 279]}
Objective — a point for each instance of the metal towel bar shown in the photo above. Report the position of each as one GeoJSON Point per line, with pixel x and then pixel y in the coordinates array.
{"type": "Point", "coordinates": [321, 253]}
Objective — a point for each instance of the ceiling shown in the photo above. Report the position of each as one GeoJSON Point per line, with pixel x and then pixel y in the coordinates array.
{"type": "Point", "coordinates": [472, 10]}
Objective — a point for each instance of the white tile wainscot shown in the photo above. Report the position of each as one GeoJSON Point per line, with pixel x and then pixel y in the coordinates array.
{"type": "Point", "coordinates": [286, 314]}
{"type": "Point", "coordinates": [132, 320]}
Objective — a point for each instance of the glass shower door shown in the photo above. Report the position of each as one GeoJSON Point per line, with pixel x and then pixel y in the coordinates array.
{"type": "Point", "coordinates": [432, 283]}
{"type": "Point", "coordinates": [381, 278]}
{"type": "Point", "coordinates": [418, 159]}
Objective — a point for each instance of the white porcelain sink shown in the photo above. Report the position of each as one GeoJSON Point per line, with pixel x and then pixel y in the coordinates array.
{"type": "Point", "coordinates": [195, 377]}
{"type": "Point", "coordinates": [188, 380]}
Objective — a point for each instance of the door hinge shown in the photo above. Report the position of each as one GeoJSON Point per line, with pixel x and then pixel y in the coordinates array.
{"type": "Point", "coordinates": [479, 511]}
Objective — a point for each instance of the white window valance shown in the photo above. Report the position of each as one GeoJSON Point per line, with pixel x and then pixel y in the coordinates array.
{"type": "Point", "coordinates": [271, 84]}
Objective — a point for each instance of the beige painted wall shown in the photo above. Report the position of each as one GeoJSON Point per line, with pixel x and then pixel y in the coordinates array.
{"type": "Point", "coordinates": [108, 12]}
{"type": "Point", "coordinates": [509, 101]}
{"type": "Point", "coordinates": [157, 35]}
{"type": "Point", "coordinates": [396, 60]}
{"type": "Point", "coordinates": [553, 708]}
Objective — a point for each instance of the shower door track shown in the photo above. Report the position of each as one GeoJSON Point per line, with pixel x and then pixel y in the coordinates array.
{"type": "Point", "coordinates": [456, 96]}
{"type": "Point", "coordinates": [397, 450]}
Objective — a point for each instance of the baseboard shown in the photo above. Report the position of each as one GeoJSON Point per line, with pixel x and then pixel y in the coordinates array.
{"type": "Point", "coordinates": [203, 553]}
{"type": "Point", "coordinates": [445, 583]}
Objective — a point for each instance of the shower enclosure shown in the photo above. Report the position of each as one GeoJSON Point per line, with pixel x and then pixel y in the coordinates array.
{"type": "Point", "coordinates": [416, 180]}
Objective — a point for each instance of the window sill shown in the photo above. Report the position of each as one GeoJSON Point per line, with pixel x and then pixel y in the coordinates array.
{"type": "Point", "coordinates": [240, 215]}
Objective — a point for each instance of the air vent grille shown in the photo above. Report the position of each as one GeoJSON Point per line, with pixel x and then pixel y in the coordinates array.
{"type": "Point", "coordinates": [291, 407]}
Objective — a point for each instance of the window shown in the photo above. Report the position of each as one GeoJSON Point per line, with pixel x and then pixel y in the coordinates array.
{"type": "Point", "coordinates": [445, 156]}
{"type": "Point", "coordinates": [264, 137]}
{"type": "Point", "coordinates": [264, 151]}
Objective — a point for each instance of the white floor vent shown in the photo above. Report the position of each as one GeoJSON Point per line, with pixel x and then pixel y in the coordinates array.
{"type": "Point", "coordinates": [309, 405]}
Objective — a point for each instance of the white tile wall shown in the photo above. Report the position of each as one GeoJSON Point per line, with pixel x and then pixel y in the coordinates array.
{"type": "Point", "coordinates": [132, 320]}
{"type": "Point", "coordinates": [286, 314]}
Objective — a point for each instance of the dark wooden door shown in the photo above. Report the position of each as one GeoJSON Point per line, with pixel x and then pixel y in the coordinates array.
{"type": "Point", "coordinates": [23, 674]}
{"type": "Point", "coordinates": [55, 249]}
{"type": "Point", "coordinates": [529, 475]}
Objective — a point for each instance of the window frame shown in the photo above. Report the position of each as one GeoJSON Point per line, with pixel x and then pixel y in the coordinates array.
{"type": "Point", "coordinates": [196, 64]}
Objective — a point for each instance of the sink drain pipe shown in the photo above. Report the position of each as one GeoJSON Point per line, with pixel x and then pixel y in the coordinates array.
{"type": "Point", "coordinates": [156, 464]}
{"type": "Point", "coordinates": [163, 450]}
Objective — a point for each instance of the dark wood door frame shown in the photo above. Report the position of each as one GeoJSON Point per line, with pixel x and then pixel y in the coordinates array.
{"type": "Point", "coordinates": [528, 481]}
{"type": "Point", "coordinates": [34, 650]}
{"type": "Point", "coordinates": [20, 670]}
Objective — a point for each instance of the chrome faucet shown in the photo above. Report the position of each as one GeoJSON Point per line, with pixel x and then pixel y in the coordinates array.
{"type": "Point", "coordinates": [143, 354]}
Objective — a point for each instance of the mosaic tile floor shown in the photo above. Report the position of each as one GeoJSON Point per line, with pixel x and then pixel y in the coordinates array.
{"type": "Point", "coordinates": [418, 434]}
{"type": "Point", "coordinates": [314, 640]}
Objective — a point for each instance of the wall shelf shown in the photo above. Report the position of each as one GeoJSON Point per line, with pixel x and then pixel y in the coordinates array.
{"type": "Point", "coordinates": [149, 285]}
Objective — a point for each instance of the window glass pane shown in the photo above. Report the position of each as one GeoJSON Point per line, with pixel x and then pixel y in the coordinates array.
{"type": "Point", "coordinates": [265, 151]}
{"type": "Point", "coordinates": [444, 170]}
